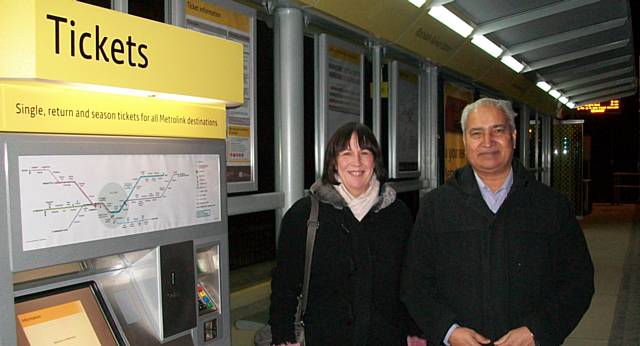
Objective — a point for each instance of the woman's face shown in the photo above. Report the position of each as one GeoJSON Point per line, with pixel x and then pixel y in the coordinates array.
{"type": "Point", "coordinates": [355, 167]}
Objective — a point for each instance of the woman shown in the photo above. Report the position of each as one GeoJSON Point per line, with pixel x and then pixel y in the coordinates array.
{"type": "Point", "coordinates": [357, 258]}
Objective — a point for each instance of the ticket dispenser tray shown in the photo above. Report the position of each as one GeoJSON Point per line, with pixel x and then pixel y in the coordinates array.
{"type": "Point", "coordinates": [153, 296]}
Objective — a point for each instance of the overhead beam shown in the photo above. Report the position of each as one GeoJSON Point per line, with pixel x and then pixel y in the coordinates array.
{"type": "Point", "coordinates": [580, 91]}
{"type": "Point", "coordinates": [536, 65]}
{"type": "Point", "coordinates": [435, 3]}
{"type": "Point", "coordinates": [606, 98]}
{"type": "Point", "coordinates": [592, 78]}
{"type": "Point", "coordinates": [594, 95]}
{"type": "Point", "coordinates": [587, 68]}
{"type": "Point", "coordinates": [531, 15]}
{"type": "Point", "coordinates": [565, 36]}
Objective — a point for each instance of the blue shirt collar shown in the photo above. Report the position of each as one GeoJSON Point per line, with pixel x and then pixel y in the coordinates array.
{"type": "Point", "coordinates": [494, 200]}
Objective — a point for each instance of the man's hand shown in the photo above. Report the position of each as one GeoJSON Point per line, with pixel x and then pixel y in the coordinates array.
{"type": "Point", "coordinates": [517, 337]}
{"type": "Point", "coordinates": [462, 336]}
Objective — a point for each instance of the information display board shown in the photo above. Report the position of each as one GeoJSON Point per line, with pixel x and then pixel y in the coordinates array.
{"type": "Point", "coordinates": [237, 23]}
{"type": "Point", "coordinates": [404, 120]}
{"type": "Point", "coordinates": [339, 88]}
{"type": "Point", "coordinates": [68, 316]}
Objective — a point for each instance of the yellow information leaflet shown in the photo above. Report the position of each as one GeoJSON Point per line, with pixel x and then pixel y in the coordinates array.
{"type": "Point", "coordinates": [32, 107]}
{"type": "Point", "coordinates": [65, 324]}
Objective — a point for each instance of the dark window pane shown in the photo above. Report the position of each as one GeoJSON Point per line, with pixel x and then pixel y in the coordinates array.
{"type": "Point", "coordinates": [265, 108]}
{"type": "Point", "coordinates": [100, 3]}
{"type": "Point", "coordinates": [309, 113]}
{"type": "Point", "coordinates": [153, 10]}
{"type": "Point", "coordinates": [251, 239]}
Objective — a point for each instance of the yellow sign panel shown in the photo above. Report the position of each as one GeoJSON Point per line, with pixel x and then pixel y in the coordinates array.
{"type": "Point", "coordinates": [73, 42]}
{"type": "Point", "coordinates": [239, 131]}
{"type": "Point", "coordinates": [217, 14]}
{"type": "Point", "coordinates": [33, 108]}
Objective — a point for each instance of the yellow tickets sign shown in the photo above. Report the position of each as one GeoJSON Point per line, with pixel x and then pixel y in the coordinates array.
{"type": "Point", "coordinates": [71, 42]}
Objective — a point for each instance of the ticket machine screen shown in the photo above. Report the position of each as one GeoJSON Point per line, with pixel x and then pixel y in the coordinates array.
{"type": "Point", "coordinates": [73, 315]}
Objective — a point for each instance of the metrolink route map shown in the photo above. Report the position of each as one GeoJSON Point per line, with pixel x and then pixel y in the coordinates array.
{"type": "Point", "coordinates": [68, 199]}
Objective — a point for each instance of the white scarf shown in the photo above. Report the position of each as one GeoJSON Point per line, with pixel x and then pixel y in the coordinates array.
{"type": "Point", "coordinates": [360, 205]}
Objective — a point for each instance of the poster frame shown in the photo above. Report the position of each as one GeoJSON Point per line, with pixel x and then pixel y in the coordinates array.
{"type": "Point", "coordinates": [395, 98]}
{"type": "Point", "coordinates": [449, 84]}
{"type": "Point", "coordinates": [322, 44]}
{"type": "Point", "coordinates": [252, 184]}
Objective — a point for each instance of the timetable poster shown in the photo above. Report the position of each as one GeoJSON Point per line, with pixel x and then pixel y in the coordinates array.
{"type": "Point", "coordinates": [344, 84]}
{"type": "Point", "coordinates": [236, 23]}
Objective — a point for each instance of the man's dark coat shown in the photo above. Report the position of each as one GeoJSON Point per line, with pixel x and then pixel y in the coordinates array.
{"type": "Point", "coordinates": [526, 265]}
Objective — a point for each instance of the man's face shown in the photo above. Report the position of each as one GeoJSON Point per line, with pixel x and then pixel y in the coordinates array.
{"type": "Point", "coordinates": [489, 140]}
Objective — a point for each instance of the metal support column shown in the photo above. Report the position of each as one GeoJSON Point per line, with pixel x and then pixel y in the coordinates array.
{"type": "Point", "coordinates": [7, 309]}
{"type": "Point", "coordinates": [429, 128]}
{"type": "Point", "coordinates": [546, 149]}
{"type": "Point", "coordinates": [376, 66]}
{"type": "Point", "coordinates": [523, 135]}
{"type": "Point", "coordinates": [174, 12]}
{"type": "Point", "coordinates": [288, 31]}
{"type": "Point", "coordinates": [120, 5]}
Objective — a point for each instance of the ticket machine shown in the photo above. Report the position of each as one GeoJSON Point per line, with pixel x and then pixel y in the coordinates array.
{"type": "Point", "coordinates": [116, 238]}
{"type": "Point", "coordinates": [112, 179]}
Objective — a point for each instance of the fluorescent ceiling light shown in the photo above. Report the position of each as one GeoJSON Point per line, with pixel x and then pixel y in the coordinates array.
{"type": "Point", "coordinates": [543, 85]}
{"type": "Point", "coordinates": [554, 93]}
{"type": "Point", "coordinates": [571, 105]}
{"type": "Point", "coordinates": [563, 100]}
{"type": "Point", "coordinates": [418, 3]}
{"type": "Point", "coordinates": [449, 19]}
{"type": "Point", "coordinates": [512, 63]}
{"type": "Point", "coordinates": [487, 45]}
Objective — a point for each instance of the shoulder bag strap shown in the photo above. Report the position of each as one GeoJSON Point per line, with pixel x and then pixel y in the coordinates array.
{"type": "Point", "coordinates": [312, 226]}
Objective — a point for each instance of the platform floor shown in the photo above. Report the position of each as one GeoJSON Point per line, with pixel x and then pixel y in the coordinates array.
{"type": "Point", "coordinates": [613, 235]}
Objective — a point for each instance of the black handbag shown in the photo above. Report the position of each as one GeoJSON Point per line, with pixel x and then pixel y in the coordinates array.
{"type": "Point", "coordinates": [263, 336]}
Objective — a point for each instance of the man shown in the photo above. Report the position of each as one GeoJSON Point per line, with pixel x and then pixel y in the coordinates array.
{"type": "Point", "coordinates": [496, 256]}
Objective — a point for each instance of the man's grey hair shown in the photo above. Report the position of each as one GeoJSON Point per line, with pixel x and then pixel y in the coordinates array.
{"type": "Point", "coordinates": [504, 105]}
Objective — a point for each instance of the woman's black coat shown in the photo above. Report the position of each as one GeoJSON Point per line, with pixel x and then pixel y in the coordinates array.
{"type": "Point", "coordinates": [355, 274]}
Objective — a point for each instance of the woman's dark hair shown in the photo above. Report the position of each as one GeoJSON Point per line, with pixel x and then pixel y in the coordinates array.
{"type": "Point", "coordinates": [340, 141]}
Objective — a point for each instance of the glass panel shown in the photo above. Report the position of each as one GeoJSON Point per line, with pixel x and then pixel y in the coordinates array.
{"type": "Point", "coordinates": [535, 142]}
{"type": "Point", "coordinates": [567, 162]}
{"type": "Point", "coordinates": [100, 3]}
{"type": "Point", "coordinates": [153, 10]}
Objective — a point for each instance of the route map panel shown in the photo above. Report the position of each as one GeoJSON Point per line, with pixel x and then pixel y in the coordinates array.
{"type": "Point", "coordinates": [68, 199]}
